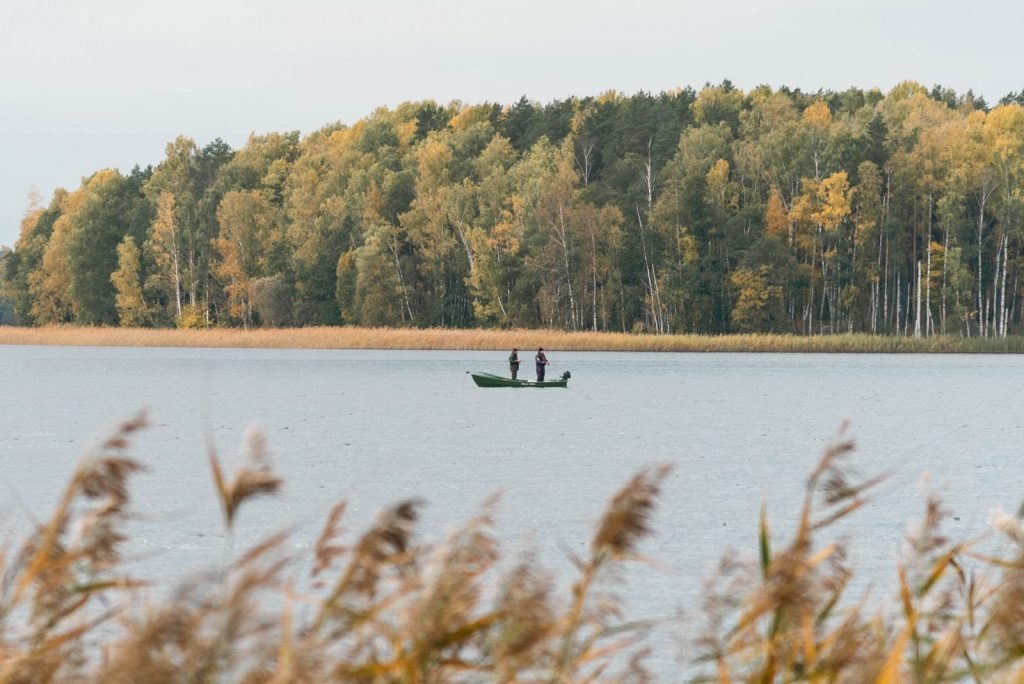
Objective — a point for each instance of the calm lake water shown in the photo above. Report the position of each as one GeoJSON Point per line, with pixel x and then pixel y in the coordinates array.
{"type": "Point", "coordinates": [376, 427]}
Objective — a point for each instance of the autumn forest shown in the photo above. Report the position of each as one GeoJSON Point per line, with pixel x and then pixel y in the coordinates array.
{"type": "Point", "coordinates": [693, 211]}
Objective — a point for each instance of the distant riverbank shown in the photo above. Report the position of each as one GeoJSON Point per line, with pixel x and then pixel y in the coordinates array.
{"type": "Point", "coordinates": [439, 338]}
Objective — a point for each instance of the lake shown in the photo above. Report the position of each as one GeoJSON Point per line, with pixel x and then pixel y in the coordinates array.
{"type": "Point", "coordinates": [377, 427]}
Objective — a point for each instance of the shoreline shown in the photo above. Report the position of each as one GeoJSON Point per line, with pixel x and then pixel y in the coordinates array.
{"type": "Point", "coordinates": [347, 337]}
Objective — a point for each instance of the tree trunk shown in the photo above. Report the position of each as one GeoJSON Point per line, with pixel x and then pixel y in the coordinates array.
{"type": "Point", "coordinates": [945, 268]}
{"type": "Point", "coordinates": [897, 304]}
{"type": "Point", "coordinates": [649, 272]}
{"type": "Point", "coordinates": [983, 194]}
{"type": "Point", "coordinates": [593, 277]}
{"type": "Point", "coordinates": [568, 271]}
{"type": "Point", "coordinates": [177, 281]}
{"type": "Point", "coordinates": [928, 273]}
{"type": "Point", "coordinates": [1004, 309]}
{"type": "Point", "coordinates": [929, 328]}
{"type": "Point", "coordinates": [652, 275]}
{"type": "Point", "coordinates": [917, 307]}
{"type": "Point", "coordinates": [401, 283]}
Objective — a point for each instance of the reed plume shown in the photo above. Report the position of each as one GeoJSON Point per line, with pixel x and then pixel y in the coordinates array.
{"type": "Point", "coordinates": [63, 573]}
{"type": "Point", "coordinates": [591, 624]}
{"type": "Point", "coordinates": [387, 606]}
{"type": "Point", "coordinates": [251, 479]}
{"type": "Point", "coordinates": [785, 624]}
{"type": "Point", "coordinates": [519, 644]}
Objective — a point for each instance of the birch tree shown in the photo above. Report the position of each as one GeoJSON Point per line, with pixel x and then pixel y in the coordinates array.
{"type": "Point", "coordinates": [177, 235]}
{"type": "Point", "coordinates": [248, 233]}
{"type": "Point", "coordinates": [165, 250]}
{"type": "Point", "coordinates": [50, 284]}
{"type": "Point", "coordinates": [130, 300]}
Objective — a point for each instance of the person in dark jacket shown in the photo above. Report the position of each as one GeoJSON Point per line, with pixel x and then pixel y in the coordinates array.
{"type": "Point", "coordinates": [513, 363]}
{"type": "Point", "coordinates": [541, 362]}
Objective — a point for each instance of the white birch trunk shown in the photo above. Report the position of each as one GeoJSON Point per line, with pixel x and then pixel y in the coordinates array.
{"type": "Point", "coordinates": [405, 290]}
{"type": "Point", "coordinates": [568, 270]}
{"type": "Point", "coordinates": [876, 293]}
{"type": "Point", "coordinates": [929, 328]}
{"type": "Point", "coordinates": [593, 276]}
{"type": "Point", "coordinates": [885, 284]}
{"type": "Point", "coordinates": [1003, 307]}
{"type": "Point", "coordinates": [649, 272]}
{"type": "Point", "coordinates": [945, 262]}
{"type": "Point", "coordinates": [981, 310]}
{"type": "Point", "coordinates": [656, 290]}
{"type": "Point", "coordinates": [917, 307]}
{"type": "Point", "coordinates": [177, 272]}
{"type": "Point", "coordinates": [897, 304]}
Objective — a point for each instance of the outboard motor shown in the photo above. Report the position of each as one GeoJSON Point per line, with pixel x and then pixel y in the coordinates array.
{"type": "Point", "coordinates": [566, 375]}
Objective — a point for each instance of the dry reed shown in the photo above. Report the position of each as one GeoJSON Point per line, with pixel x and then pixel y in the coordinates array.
{"type": "Point", "coordinates": [346, 337]}
{"type": "Point", "coordinates": [388, 606]}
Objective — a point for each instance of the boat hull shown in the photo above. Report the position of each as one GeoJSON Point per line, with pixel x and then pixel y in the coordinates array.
{"type": "Point", "coordinates": [491, 380]}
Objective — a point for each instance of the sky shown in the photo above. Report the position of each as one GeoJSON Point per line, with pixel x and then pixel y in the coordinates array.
{"type": "Point", "coordinates": [92, 84]}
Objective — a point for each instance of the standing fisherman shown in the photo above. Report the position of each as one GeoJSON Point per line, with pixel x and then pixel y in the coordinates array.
{"type": "Point", "coordinates": [513, 362]}
{"type": "Point", "coordinates": [541, 362]}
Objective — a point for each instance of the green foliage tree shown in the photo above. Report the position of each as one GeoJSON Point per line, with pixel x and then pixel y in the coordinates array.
{"type": "Point", "coordinates": [687, 211]}
{"type": "Point", "coordinates": [271, 300]}
{"type": "Point", "coordinates": [112, 207]}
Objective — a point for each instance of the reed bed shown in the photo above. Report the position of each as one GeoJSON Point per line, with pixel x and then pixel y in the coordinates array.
{"type": "Point", "coordinates": [347, 337]}
{"type": "Point", "coordinates": [386, 606]}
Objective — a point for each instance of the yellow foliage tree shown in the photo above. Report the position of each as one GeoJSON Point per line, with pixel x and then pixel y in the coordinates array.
{"type": "Point", "coordinates": [818, 120]}
{"type": "Point", "coordinates": [757, 300]}
{"type": "Point", "coordinates": [129, 300]}
{"type": "Point", "coordinates": [776, 218]}
{"type": "Point", "coordinates": [164, 246]}
{"type": "Point", "coordinates": [835, 199]}
{"type": "Point", "coordinates": [247, 230]}
{"type": "Point", "coordinates": [50, 285]}
{"type": "Point", "coordinates": [818, 115]}
{"type": "Point", "coordinates": [721, 193]}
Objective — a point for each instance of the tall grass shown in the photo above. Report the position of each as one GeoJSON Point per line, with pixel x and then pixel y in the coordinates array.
{"type": "Point", "coordinates": [385, 605]}
{"type": "Point", "coordinates": [446, 338]}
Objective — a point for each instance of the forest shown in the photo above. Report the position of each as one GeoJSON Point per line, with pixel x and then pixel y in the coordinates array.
{"type": "Point", "coordinates": [705, 211]}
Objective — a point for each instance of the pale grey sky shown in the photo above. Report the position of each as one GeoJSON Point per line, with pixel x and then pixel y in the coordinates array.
{"type": "Point", "coordinates": [93, 84]}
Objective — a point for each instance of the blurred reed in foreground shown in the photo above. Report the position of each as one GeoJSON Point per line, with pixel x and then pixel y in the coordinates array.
{"type": "Point", "coordinates": [386, 606]}
{"type": "Point", "coordinates": [346, 337]}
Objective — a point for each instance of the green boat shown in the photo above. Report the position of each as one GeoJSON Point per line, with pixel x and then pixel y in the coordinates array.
{"type": "Point", "coordinates": [491, 380]}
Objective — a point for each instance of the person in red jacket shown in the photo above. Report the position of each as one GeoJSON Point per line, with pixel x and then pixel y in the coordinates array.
{"type": "Point", "coordinates": [541, 362]}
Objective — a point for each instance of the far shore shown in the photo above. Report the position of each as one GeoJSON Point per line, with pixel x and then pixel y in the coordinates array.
{"type": "Point", "coordinates": [345, 337]}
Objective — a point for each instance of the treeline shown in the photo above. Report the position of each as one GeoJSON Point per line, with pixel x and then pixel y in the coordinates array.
{"type": "Point", "coordinates": [704, 211]}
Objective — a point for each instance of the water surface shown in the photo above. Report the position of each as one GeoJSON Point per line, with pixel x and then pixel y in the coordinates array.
{"type": "Point", "coordinates": [376, 427]}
